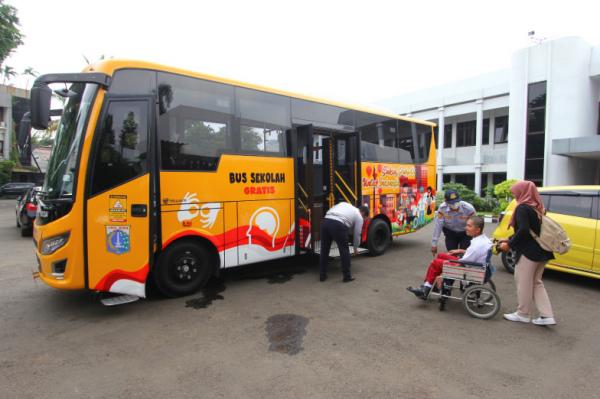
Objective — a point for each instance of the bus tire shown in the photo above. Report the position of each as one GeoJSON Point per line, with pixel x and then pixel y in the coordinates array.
{"type": "Point", "coordinates": [378, 237]}
{"type": "Point", "coordinates": [183, 268]}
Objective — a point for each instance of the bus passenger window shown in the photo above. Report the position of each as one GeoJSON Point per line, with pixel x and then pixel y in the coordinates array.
{"type": "Point", "coordinates": [195, 122]}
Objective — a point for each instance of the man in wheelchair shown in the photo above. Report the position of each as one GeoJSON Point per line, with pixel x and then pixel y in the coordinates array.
{"type": "Point", "coordinates": [476, 252]}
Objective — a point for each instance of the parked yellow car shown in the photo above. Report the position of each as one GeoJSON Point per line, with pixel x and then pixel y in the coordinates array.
{"type": "Point", "coordinates": [577, 209]}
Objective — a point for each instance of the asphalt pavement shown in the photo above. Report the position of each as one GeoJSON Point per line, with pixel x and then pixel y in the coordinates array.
{"type": "Point", "coordinates": [274, 331]}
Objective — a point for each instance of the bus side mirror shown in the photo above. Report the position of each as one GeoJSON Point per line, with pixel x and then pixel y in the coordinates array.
{"type": "Point", "coordinates": [41, 96]}
{"type": "Point", "coordinates": [24, 139]}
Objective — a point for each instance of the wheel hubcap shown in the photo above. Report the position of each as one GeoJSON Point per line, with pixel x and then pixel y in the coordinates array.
{"type": "Point", "coordinates": [186, 267]}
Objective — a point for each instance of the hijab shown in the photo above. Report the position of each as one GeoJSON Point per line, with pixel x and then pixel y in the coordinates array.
{"type": "Point", "coordinates": [525, 192]}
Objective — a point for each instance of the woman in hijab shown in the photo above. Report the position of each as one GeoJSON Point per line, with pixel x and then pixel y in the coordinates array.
{"type": "Point", "coordinates": [530, 267]}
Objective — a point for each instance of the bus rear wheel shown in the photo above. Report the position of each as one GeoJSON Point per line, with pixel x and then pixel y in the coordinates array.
{"type": "Point", "coordinates": [378, 237]}
{"type": "Point", "coordinates": [183, 268]}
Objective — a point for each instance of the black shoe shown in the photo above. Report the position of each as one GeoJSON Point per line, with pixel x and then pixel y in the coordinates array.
{"type": "Point", "coordinates": [422, 292]}
{"type": "Point", "coordinates": [347, 279]}
{"type": "Point", "coordinates": [322, 278]}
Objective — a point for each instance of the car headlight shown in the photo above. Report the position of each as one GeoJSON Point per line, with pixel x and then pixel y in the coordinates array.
{"type": "Point", "coordinates": [50, 245]}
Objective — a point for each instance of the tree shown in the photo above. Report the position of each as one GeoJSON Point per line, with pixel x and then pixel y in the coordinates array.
{"type": "Point", "coordinates": [29, 72]}
{"type": "Point", "coordinates": [10, 36]}
{"type": "Point", "coordinates": [8, 72]}
{"type": "Point", "coordinates": [6, 168]}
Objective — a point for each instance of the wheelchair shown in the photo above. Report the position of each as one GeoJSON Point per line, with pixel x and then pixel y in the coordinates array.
{"type": "Point", "coordinates": [478, 291]}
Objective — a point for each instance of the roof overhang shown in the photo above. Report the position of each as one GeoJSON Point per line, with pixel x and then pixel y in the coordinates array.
{"type": "Point", "coordinates": [587, 147]}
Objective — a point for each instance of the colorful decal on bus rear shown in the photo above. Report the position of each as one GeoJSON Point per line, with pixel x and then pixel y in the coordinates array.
{"type": "Point", "coordinates": [405, 194]}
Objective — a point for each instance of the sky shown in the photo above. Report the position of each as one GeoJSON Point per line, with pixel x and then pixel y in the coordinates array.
{"type": "Point", "coordinates": [358, 52]}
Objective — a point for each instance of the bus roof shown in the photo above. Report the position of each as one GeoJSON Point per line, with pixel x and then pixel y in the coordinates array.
{"type": "Point", "coordinates": [112, 65]}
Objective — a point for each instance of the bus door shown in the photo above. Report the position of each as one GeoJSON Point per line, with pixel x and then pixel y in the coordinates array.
{"type": "Point", "coordinates": [118, 197]}
{"type": "Point", "coordinates": [343, 169]}
{"type": "Point", "coordinates": [305, 206]}
{"type": "Point", "coordinates": [330, 175]}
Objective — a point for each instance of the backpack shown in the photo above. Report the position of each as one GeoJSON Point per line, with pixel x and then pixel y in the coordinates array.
{"type": "Point", "coordinates": [552, 236]}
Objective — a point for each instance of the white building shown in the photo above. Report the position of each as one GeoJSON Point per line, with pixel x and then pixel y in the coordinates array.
{"type": "Point", "coordinates": [9, 96]}
{"type": "Point", "coordinates": [538, 121]}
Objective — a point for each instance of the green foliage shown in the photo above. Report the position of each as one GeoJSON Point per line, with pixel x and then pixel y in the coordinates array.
{"type": "Point", "coordinates": [10, 36]}
{"type": "Point", "coordinates": [6, 168]}
{"type": "Point", "coordinates": [496, 198]}
{"type": "Point", "coordinates": [465, 193]}
{"type": "Point", "coordinates": [502, 190]}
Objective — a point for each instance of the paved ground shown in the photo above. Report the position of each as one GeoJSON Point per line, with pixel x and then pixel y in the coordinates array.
{"type": "Point", "coordinates": [366, 339]}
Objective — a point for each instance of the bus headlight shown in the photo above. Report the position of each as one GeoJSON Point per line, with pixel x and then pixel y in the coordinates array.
{"type": "Point", "coordinates": [50, 245]}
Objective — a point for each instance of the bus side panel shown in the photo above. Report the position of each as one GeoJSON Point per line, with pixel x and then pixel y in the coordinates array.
{"type": "Point", "coordinates": [245, 203]}
{"type": "Point", "coordinates": [266, 230]}
{"type": "Point", "coordinates": [403, 193]}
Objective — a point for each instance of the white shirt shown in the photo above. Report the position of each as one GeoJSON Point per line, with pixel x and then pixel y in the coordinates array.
{"type": "Point", "coordinates": [350, 216]}
{"type": "Point", "coordinates": [478, 249]}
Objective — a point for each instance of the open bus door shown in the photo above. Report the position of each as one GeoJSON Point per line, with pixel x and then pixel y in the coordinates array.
{"type": "Point", "coordinates": [328, 172]}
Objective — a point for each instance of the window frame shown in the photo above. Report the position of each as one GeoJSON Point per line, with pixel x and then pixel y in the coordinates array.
{"type": "Point", "coordinates": [458, 125]}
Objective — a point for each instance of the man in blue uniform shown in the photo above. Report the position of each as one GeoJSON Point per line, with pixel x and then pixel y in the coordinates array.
{"type": "Point", "coordinates": [451, 218]}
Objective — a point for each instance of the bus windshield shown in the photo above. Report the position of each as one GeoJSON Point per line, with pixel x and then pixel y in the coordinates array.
{"type": "Point", "coordinates": [62, 164]}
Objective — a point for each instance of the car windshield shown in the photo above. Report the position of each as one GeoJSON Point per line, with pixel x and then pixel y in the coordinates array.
{"type": "Point", "coordinates": [62, 164]}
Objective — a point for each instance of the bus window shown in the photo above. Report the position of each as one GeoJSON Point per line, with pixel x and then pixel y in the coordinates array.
{"type": "Point", "coordinates": [122, 150]}
{"type": "Point", "coordinates": [378, 139]}
{"type": "Point", "coordinates": [195, 122]}
{"type": "Point", "coordinates": [264, 118]}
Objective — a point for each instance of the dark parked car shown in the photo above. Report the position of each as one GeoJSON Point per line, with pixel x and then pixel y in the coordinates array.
{"type": "Point", "coordinates": [15, 189]}
{"type": "Point", "coordinates": [26, 209]}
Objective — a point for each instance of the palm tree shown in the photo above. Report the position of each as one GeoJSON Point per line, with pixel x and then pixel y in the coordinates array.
{"type": "Point", "coordinates": [8, 72]}
{"type": "Point", "coordinates": [29, 71]}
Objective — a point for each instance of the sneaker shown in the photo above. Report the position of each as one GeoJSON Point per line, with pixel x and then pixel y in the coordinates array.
{"type": "Point", "coordinates": [422, 292]}
{"type": "Point", "coordinates": [322, 278]}
{"type": "Point", "coordinates": [516, 317]}
{"type": "Point", "coordinates": [347, 279]}
{"type": "Point", "coordinates": [544, 321]}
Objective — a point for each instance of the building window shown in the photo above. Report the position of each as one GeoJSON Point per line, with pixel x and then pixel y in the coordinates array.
{"type": "Point", "coordinates": [501, 129]}
{"type": "Point", "coordinates": [448, 136]}
{"type": "Point", "coordinates": [498, 178]}
{"type": "Point", "coordinates": [465, 134]}
{"type": "Point", "coordinates": [536, 133]}
{"type": "Point", "coordinates": [485, 132]}
{"type": "Point", "coordinates": [466, 179]}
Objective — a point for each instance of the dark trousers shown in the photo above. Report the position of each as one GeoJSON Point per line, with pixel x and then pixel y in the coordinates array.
{"type": "Point", "coordinates": [456, 240]}
{"type": "Point", "coordinates": [332, 230]}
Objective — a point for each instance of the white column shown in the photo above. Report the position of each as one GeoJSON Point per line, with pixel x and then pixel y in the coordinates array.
{"type": "Point", "coordinates": [439, 161]}
{"type": "Point", "coordinates": [478, 140]}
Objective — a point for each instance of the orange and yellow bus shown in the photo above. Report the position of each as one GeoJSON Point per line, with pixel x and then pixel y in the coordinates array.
{"type": "Point", "coordinates": [165, 174]}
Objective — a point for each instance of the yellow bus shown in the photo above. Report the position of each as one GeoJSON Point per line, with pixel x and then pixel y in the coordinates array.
{"type": "Point", "coordinates": [165, 174]}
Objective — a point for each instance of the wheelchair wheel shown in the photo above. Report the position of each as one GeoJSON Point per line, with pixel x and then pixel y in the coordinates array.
{"type": "Point", "coordinates": [481, 301]}
{"type": "Point", "coordinates": [486, 296]}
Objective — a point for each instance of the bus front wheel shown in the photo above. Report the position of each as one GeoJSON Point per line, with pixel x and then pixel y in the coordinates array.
{"type": "Point", "coordinates": [378, 237]}
{"type": "Point", "coordinates": [183, 268]}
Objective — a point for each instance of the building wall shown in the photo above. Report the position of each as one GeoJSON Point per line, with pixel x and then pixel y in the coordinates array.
{"type": "Point", "coordinates": [571, 68]}
{"type": "Point", "coordinates": [571, 107]}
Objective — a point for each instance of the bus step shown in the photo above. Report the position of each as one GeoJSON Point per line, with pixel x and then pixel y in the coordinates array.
{"type": "Point", "coordinates": [119, 300]}
{"type": "Point", "coordinates": [334, 252]}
